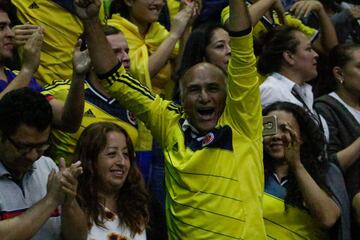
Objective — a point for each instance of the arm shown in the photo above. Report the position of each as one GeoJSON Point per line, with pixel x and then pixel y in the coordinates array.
{"type": "Point", "coordinates": [67, 117]}
{"type": "Point", "coordinates": [239, 19]}
{"type": "Point", "coordinates": [26, 225]}
{"type": "Point", "coordinates": [258, 9]}
{"type": "Point", "coordinates": [31, 60]}
{"type": "Point", "coordinates": [319, 203]}
{"type": "Point", "coordinates": [356, 208]}
{"type": "Point", "coordinates": [151, 109]}
{"type": "Point", "coordinates": [243, 99]}
{"type": "Point", "coordinates": [327, 39]}
{"type": "Point", "coordinates": [349, 155]}
{"type": "Point", "coordinates": [98, 46]}
{"type": "Point", "coordinates": [179, 26]}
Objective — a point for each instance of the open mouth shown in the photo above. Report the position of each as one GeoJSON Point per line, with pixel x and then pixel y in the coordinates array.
{"type": "Point", "coordinates": [118, 172]}
{"type": "Point", "coordinates": [9, 46]}
{"type": "Point", "coordinates": [155, 9]}
{"type": "Point", "coordinates": [206, 114]}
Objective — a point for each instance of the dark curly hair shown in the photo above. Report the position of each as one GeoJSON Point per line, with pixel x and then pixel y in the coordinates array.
{"type": "Point", "coordinates": [24, 106]}
{"type": "Point", "coordinates": [274, 43]}
{"type": "Point", "coordinates": [312, 152]}
{"type": "Point", "coordinates": [132, 201]}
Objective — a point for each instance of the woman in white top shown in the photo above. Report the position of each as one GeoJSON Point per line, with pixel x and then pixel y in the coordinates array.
{"type": "Point", "coordinates": [111, 190]}
{"type": "Point", "coordinates": [289, 62]}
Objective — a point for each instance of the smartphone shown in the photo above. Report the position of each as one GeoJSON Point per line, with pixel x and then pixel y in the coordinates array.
{"type": "Point", "coordinates": [269, 125]}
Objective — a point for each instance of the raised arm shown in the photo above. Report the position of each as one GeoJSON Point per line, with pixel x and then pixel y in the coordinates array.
{"type": "Point", "coordinates": [67, 117]}
{"type": "Point", "coordinates": [327, 39]}
{"type": "Point", "coordinates": [101, 54]}
{"type": "Point", "coordinates": [179, 25]}
{"type": "Point", "coordinates": [151, 109]}
{"type": "Point", "coordinates": [243, 99]}
{"type": "Point", "coordinates": [31, 60]}
{"type": "Point", "coordinates": [239, 19]}
{"type": "Point", "coordinates": [321, 206]}
{"type": "Point", "coordinates": [259, 8]}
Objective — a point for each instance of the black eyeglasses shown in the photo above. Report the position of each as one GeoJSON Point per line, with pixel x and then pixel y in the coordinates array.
{"type": "Point", "coordinates": [26, 148]}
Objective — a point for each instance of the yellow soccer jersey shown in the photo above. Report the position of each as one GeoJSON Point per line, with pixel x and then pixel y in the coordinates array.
{"type": "Point", "coordinates": [61, 31]}
{"type": "Point", "coordinates": [294, 224]}
{"type": "Point", "coordinates": [214, 187]}
{"type": "Point", "coordinates": [97, 108]}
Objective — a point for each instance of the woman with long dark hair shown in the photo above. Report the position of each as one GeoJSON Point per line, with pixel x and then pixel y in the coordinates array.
{"type": "Point", "coordinates": [298, 202]}
{"type": "Point", "coordinates": [111, 189]}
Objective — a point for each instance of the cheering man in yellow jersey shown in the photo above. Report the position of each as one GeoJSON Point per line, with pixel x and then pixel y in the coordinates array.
{"type": "Point", "coordinates": [213, 147]}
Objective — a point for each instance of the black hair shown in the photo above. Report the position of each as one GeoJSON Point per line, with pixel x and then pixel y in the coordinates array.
{"type": "Point", "coordinates": [339, 56]}
{"type": "Point", "coordinates": [5, 6]}
{"type": "Point", "coordinates": [119, 6]}
{"type": "Point", "coordinates": [312, 151]}
{"type": "Point", "coordinates": [275, 43]}
{"type": "Point", "coordinates": [24, 106]}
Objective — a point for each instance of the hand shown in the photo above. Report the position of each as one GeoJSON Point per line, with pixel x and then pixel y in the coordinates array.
{"type": "Point", "coordinates": [24, 32]}
{"type": "Point", "coordinates": [303, 8]}
{"type": "Point", "coordinates": [182, 19]}
{"type": "Point", "coordinates": [87, 9]}
{"type": "Point", "coordinates": [81, 59]}
{"type": "Point", "coordinates": [31, 53]}
{"type": "Point", "coordinates": [355, 11]}
{"type": "Point", "coordinates": [54, 192]}
{"type": "Point", "coordinates": [292, 146]}
{"type": "Point", "coordinates": [69, 180]}
{"type": "Point", "coordinates": [198, 4]}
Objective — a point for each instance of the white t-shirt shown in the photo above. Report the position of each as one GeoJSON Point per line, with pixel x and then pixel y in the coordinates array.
{"type": "Point", "coordinates": [113, 230]}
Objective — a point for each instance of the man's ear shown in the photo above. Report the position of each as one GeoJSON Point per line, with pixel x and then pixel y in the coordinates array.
{"type": "Point", "coordinates": [288, 57]}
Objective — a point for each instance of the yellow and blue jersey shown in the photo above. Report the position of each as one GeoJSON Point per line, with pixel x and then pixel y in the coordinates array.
{"type": "Point", "coordinates": [214, 187]}
{"type": "Point", "coordinates": [97, 107]}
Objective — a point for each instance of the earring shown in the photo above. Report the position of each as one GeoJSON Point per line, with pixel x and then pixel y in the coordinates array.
{"type": "Point", "coordinates": [341, 80]}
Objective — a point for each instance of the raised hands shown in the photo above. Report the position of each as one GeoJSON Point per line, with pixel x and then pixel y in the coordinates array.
{"type": "Point", "coordinates": [62, 185]}
{"type": "Point", "coordinates": [69, 180]}
{"type": "Point", "coordinates": [87, 9]}
{"type": "Point", "coordinates": [304, 7]}
{"type": "Point", "coordinates": [292, 144]}
{"type": "Point", "coordinates": [185, 16]}
{"type": "Point", "coordinates": [81, 59]}
{"type": "Point", "coordinates": [31, 37]}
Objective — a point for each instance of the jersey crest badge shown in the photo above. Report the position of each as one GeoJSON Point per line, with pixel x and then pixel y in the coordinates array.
{"type": "Point", "coordinates": [209, 138]}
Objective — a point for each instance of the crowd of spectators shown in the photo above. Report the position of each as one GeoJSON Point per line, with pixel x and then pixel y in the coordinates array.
{"type": "Point", "coordinates": [143, 119]}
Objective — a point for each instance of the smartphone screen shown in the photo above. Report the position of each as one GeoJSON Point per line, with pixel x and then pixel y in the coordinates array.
{"type": "Point", "coordinates": [269, 125]}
